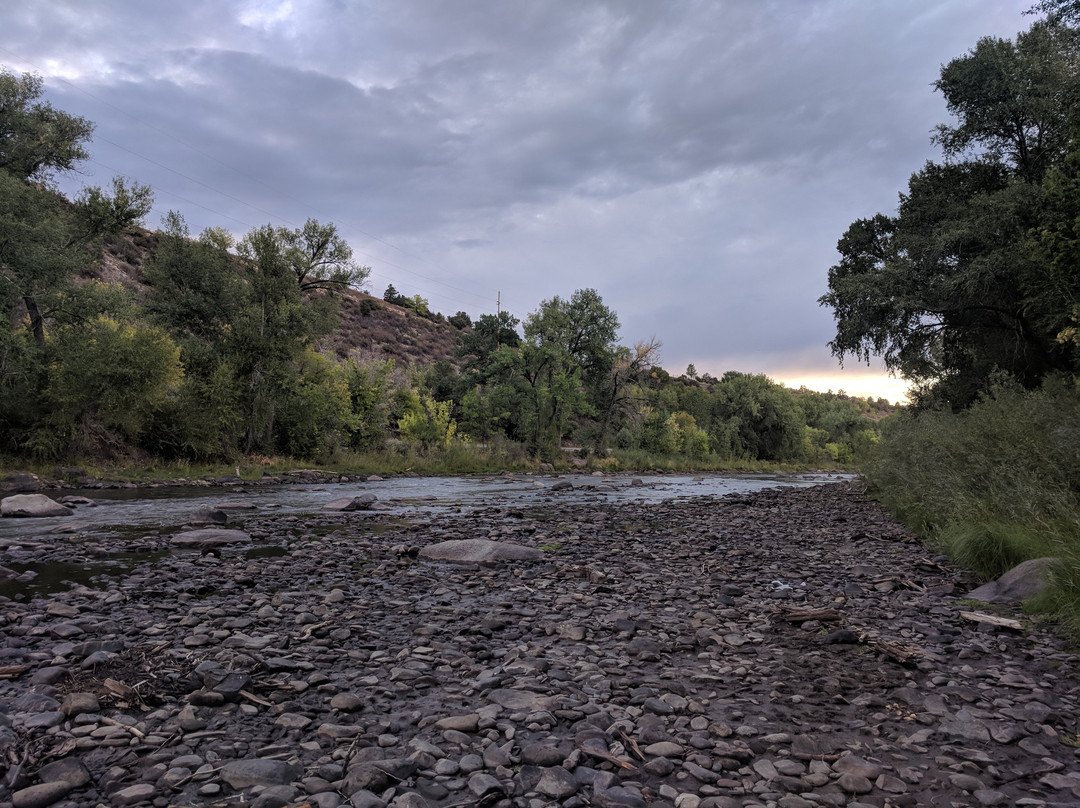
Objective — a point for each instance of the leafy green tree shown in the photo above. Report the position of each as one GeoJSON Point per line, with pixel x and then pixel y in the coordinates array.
{"type": "Point", "coordinates": [1062, 11]}
{"type": "Point", "coordinates": [36, 141]}
{"type": "Point", "coordinates": [568, 348]}
{"type": "Point", "coordinates": [195, 286]}
{"type": "Point", "coordinates": [271, 329]}
{"type": "Point", "coordinates": [430, 425]}
{"type": "Point", "coordinates": [489, 333]}
{"type": "Point", "coordinates": [106, 382]}
{"type": "Point", "coordinates": [320, 258]}
{"type": "Point", "coordinates": [1014, 102]}
{"type": "Point", "coordinates": [756, 419]}
{"type": "Point", "coordinates": [460, 321]}
{"type": "Point", "coordinates": [316, 416]}
{"type": "Point", "coordinates": [44, 240]}
{"type": "Point", "coordinates": [369, 386]}
{"type": "Point", "coordinates": [950, 288]}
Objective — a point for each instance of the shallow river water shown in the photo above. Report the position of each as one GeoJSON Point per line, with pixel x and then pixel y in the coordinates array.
{"type": "Point", "coordinates": [165, 507]}
{"type": "Point", "coordinates": [164, 510]}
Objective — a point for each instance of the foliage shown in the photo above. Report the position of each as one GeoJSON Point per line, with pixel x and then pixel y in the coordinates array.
{"type": "Point", "coordinates": [369, 386]}
{"type": "Point", "coordinates": [36, 140]}
{"type": "Point", "coordinates": [320, 258]}
{"type": "Point", "coordinates": [950, 288]}
{"type": "Point", "coordinates": [225, 356]}
{"type": "Point", "coordinates": [106, 382]}
{"type": "Point", "coordinates": [429, 425]}
{"type": "Point", "coordinates": [994, 485]}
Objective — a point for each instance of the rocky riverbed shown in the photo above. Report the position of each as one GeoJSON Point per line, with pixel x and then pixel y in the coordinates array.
{"type": "Point", "coordinates": [786, 648]}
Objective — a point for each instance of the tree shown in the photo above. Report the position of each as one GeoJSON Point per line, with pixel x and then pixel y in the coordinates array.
{"type": "Point", "coordinates": [36, 140]}
{"type": "Point", "coordinates": [757, 419]}
{"type": "Point", "coordinates": [949, 289]}
{"type": "Point", "coordinates": [567, 351]}
{"type": "Point", "coordinates": [320, 258]}
{"type": "Point", "coordinates": [272, 327]}
{"type": "Point", "coordinates": [460, 321]}
{"type": "Point", "coordinates": [195, 286]}
{"type": "Point", "coordinates": [44, 240]}
{"type": "Point", "coordinates": [1014, 102]}
{"type": "Point", "coordinates": [488, 334]}
{"type": "Point", "coordinates": [1063, 11]}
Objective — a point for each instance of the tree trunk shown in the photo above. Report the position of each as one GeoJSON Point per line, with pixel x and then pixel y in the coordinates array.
{"type": "Point", "coordinates": [37, 322]}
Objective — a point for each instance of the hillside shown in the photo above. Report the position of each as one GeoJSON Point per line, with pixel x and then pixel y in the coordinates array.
{"type": "Point", "coordinates": [371, 330]}
{"type": "Point", "coordinates": [389, 332]}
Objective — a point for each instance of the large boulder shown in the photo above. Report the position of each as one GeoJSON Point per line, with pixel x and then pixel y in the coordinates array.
{"type": "Point", "coordinates": [364, 502]}
{"type": "Point", "coordinates": [209, 537]}
{"type": "Point", "coordinates": [22, 482]}
{"type": "Point", "coordinates": [25, 505]}
{"type": "Point", "coordinates": [1020, 583]}
{"type": "Point", "coordinates": [479, 551]}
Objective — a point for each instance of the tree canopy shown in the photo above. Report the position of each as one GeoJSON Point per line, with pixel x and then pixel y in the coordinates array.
{"type": "Point", "coordinates": [951, 288]}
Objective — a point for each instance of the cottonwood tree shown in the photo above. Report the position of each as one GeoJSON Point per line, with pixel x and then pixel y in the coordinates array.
{"type": "Point", "coordinates": [948, 289]}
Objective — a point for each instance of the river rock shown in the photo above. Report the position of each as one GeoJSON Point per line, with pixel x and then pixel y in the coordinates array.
{"type": "Point", "coordinates": [32, 505]}
{"type": "Point", "coordinates": [1023, 581]}
{"type": "Point", "coordinates": [20, 482]}
{"type": "Point", "coordinates": [479, 551]}
{"type": "Point", "coordinates": [209, 537]}
{"type": "Point", "coordinates": [259, 772]}
{"type": "Point", "coordinates": [364, 502]}
{"type": "Point", "coordinates": [347, 655]}
{"type": "Point", "coordinates": [208, 516]}
{"type": "Point", "coordinates": [41, 795]}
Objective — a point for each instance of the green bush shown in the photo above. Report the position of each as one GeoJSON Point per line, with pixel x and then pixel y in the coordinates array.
{"type": "Point", "coordinates": [993, 485]}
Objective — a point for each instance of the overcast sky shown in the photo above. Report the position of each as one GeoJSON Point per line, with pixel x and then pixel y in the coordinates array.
{"type": "Point", "coordinates": [694, 162]}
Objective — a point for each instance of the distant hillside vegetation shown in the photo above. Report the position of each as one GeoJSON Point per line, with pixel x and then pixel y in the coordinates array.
{"type": "Point", "coordinates": [370, 328]}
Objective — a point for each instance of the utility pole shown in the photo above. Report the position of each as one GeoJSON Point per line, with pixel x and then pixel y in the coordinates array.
{"type": "Point", "coordinates": [498, 320]}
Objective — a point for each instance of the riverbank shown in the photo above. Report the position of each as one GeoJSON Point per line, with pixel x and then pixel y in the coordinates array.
{"type": "Point", "coordinates": [790, 648]}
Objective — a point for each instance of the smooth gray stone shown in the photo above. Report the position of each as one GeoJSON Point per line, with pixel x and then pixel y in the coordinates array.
{"type": "Point", "coordinates": [1020, 583]}
{"type": "Point", "coordinates": [32, 505]}
{"type": "Point", "coordinates": [209, 537]}
{"type": "Point", "coordinates": [364, 502]}
{"type": "Point", "coordinates": [259, 772]}
{"type": "Point", "coordinates": [479, 550]}
{"type": "Point", "coordinates": [42, 795]}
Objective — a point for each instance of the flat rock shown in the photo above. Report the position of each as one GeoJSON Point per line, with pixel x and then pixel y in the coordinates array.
{"type": "Point", "coordinates": [32, 505]}
{"type": "Point", "coordinates": [479, 551]}
{"type": "Point", "coordinates": [41, 795]}
{"type": "Point", "coordinates": [259, 772]}
{"type": "Point", "coordinates": [209, 537]}
{"type": "Point", "coordinates": [521, 700]}
{"type": "Point", "coordinates": [364, 502]}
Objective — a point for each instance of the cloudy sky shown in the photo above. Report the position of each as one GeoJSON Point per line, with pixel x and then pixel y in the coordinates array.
{"type": "Point", "coordinates": [694, 161]}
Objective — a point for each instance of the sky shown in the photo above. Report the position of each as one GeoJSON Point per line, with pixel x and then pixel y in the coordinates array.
{"type": "Point", "coordinates": [693, 161]}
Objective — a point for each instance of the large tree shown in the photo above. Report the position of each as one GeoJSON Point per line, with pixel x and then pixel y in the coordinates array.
{"type": "Point", "coordinates": [948, 290]}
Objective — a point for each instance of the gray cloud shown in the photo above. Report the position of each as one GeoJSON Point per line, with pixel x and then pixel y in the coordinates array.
{"type": "Point", "coordinates": [695, 162]}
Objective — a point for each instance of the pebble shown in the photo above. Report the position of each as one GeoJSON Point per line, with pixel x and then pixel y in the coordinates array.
{"type": "Point", "coordinates": [656, 657]}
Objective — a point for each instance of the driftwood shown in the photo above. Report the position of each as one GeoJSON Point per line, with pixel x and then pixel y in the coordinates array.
{"type": "Point", "coordinates": [799, 616]}
{"type": "Point", "coordinates": [630, 743]}
{"type": "Point", "coordinates": [899, 652]}
{"type": "Point", "coordinates": [13, 671]}
{"type": "Point", "coordinates": [610, 758]}
{"type": "Point", "coordinates": [992, 620]}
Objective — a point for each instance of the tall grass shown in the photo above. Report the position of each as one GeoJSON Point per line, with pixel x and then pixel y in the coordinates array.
{"type": "Point", "coordinates": [994, 485]}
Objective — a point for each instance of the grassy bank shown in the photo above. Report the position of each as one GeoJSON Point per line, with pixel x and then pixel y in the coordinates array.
{"type": "Point", "coordinates": [400, 458]}
{"type": "Point", "coordinates": [994, 485]}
